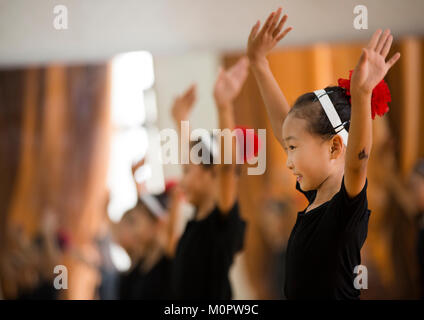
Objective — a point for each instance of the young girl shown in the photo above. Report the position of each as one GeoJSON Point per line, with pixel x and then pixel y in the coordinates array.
{"type": "Point", "coordinates": [149, 239]}
{"type": "Point", "coordinates": [327, 138]}
{"type": "Point", "coordinates": [206, 249]}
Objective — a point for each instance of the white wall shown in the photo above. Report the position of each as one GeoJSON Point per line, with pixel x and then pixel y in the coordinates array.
{"type": "Point", "coordinates": [173, 74]}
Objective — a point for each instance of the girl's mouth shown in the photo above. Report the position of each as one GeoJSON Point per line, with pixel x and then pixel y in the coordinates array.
{"type": "Point", "coordinates": [299, 178]}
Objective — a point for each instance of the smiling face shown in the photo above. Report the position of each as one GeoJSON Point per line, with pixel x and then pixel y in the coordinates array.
{"type": "Point", "coordinates": [311, 158]}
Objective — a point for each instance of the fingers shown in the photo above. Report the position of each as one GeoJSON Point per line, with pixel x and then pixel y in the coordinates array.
{"type": "Point", "coordinates": [393, 60]}
{"type": "Point", "coordinates": [267, 23]}
{"type": "Point", "coordinates": [387, 45]}
{"type": "Point", "coordinates": [240, 69]}
{"type": "Point", "coordinates": [382, 41]}
{"type": "Point", "coordinates": [281, 36]}
{"type": "Point", "coordinates": [190, 94]}
{"type": "Point", "coordinates": [254, 30]}
{"type": "Point", "coordinates": [274, 21]}
{"type": "Point", "coordinates": [280, 26]}
{"type": "Point", "coordinates": [374, 39]}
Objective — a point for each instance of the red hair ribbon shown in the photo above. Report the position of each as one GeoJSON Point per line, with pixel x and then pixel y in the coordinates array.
{"type": "Point", "coordinates": [379, 99]}
{"type": "Point", "coordinates": [169, 184]}
{"type": "Point", "coordinates": [256, 142]}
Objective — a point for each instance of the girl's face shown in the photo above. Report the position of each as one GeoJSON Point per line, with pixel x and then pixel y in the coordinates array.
{"type": "Point", "coordinates": [308, 156]}
{"type": "Point", "coordinates": [136, 230]}
{"type": "Point", "coordinates": [197, 182]}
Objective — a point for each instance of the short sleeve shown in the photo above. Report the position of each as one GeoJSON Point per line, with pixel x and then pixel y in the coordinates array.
{"type": "Point", "coordinates": [231, 228]}
{"type": "Point", "coordinates": [353, 209]}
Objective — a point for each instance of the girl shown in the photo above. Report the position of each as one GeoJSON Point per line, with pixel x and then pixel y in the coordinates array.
{"type": "Point", "coordinates": [325, 243]}
{"type": "Point", "coordinates": [210, 241]}
{"type": "Point", "coordinates": [149, 239]}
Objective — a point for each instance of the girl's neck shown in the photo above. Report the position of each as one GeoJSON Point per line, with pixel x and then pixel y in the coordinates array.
{"type": "Point", "coordinates": [205, 207]}
{"type": "Point", "coordinates": [328, 188]}
{"type": "Point", "coordinates": [152, 256]}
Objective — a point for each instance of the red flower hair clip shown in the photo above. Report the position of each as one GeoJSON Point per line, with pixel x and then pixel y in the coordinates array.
{"type": "Point", "coordinates": [379, 99]}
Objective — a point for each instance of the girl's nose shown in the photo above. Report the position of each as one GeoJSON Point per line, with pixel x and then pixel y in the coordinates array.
{"type": "Point", "coordinates": [289, 163]}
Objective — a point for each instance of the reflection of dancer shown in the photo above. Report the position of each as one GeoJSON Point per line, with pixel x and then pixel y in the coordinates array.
{"type": "Point", "coordinates": [207, 247]}
{"type": "Point", "coordinates": [325, 243]}
{"type": "Point", "coordinates": [276, 218]}
{"type": "Point", "coordinates": [417, 186]}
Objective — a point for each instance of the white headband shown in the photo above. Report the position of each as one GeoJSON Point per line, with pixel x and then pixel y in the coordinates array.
{"type": "Point", "coordinates": [153, 205]}
{"type": "Point", "coordinates": [332, 114]}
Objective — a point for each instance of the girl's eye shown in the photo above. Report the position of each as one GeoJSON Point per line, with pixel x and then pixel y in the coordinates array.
{"type": "Point", "coordinates": [292, 147]}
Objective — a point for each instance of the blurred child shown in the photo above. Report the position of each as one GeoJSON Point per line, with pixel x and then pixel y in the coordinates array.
{"type": "Point", "coordinates": [211, 239]}
{"type": "Point", "coordinates": [147, 233]}
{"type": "Point", "coordinates": [417, 188]}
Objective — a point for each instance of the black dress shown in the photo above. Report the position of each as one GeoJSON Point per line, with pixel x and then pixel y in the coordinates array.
{"type": "Point", "coordinates": [420, 253]}
{"type": "Point", "coordinates": [325, 247]}
{"type": "Point", "coordinates": [152, 285]}
{"type": "Point", "coordinates": [205, 254]}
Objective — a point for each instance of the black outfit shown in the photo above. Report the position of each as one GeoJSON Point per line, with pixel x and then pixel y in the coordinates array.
{"type": "Point", "coordinates": [43, 291]}
{"type": "Point", "coordinates": [152, 285]}
{"type": "Point", "coordinates": [420, 253]}
{"type": "Point", "coordinates": [324, 247]}
{"type": "Point", "coordinates": [205, 254]}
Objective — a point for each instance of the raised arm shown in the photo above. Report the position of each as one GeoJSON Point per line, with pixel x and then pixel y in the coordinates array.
{"type": "Point", "coordinates": [259, 45]}
{"type": "Point", "coordinates": [174, 216]}
{"type": "Point", "coordinates": [227, 87]}
{"type": "Point", "coordinates": [183, 105]}
{"type": "Point", "coordinates": [370, 70]}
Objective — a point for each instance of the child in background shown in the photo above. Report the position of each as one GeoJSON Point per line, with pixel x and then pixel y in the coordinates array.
{"type": "Point", "coordinates": [325, 243]}
{"type": "Point", "coordinates": [147, 233]}
{"type": "Point", "coordinates": [417, 190]}
{"type": "Point", "coordinates": [211, 239]}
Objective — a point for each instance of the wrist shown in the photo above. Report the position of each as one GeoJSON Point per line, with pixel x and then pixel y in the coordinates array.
{"type": "Point", "coordinates": [361, 93]}
{"type": "Point", "coordinates": [258, 63]}
{"type": "Point", "coordinates": [224, 105]}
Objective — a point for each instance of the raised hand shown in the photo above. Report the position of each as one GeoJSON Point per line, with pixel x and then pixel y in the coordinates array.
{"type": "Point", "coordinates": [372, 65]}
{"type": "Point", "coordinates": [229, 82]}
{"type": "Point", "coordinates": [183, 104]}
{"type": "Point", "coordinates": [260, 44]}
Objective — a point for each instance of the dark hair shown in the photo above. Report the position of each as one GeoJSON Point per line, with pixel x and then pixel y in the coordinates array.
{"type": "Point", "coordinates": [308, 107]}
{"type": "Point", "coordinates": [139, 208]}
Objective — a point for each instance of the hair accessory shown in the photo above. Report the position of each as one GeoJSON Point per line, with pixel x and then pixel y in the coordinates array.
{"type": "Point", "coordinates": [247, 135]}
{"type": "Point", "coordinates": [332, 114]}
{"type": "Point", "coordinates": [153, 205]}
{"type": "Point", "coordinates": [379, 99]}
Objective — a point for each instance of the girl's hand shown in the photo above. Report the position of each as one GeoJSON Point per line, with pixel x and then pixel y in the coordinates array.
{"type": "Point", "coordinates": [260, 44]}
{"type": "Point", "coordinates": [372, 65]}
{"type": "Point", "coordinates": [229, 82]}
{"type": "Point", "coordinates": [183, 104]}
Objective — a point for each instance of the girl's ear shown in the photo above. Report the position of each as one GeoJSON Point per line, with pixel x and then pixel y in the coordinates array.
{"type": "Point", "coordinates": [336, 147]}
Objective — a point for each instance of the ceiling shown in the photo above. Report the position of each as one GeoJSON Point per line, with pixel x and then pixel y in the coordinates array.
{"type": "Point", "coordinates": [98, 29]}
